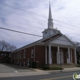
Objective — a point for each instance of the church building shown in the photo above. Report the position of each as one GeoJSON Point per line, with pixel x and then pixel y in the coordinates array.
{"type": "Point", "coordinates": [53, 48]}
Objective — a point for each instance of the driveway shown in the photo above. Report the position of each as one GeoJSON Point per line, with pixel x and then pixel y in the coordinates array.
{"type": "Point", "coordinates": [9, 68]}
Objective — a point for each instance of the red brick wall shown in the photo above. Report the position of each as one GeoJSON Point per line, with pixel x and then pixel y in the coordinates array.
{"type": "Point", "coordinates": [65, 50]}
{"type": "Point", "coordinates": [73, 56]}
{"type": "Point", "coordinates": [54, 55]}
{"type": "Point", "coordinates": [27, 55]}
{"type": "Point", "coordinates": [22, 57]}
{"type": "Point", "coordinates": [40, 55]}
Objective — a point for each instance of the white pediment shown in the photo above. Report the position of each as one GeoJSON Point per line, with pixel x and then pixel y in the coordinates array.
{"type": "Point", "coordinates": [62, 41]}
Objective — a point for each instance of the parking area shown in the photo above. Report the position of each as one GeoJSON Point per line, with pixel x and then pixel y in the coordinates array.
{"type": "Point", "coordinates": [9, 68]}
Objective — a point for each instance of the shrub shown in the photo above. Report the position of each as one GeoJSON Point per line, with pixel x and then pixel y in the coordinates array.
{"type": "Point", "coordinates": [33, 64]}
{"type": "Point", "coordinates": [45, 67]}
{"type": "Point", "coordinates": [55, 68]}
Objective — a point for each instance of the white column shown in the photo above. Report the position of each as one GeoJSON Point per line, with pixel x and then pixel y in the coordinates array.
{"type": "Point", "coordinates": [50, 59]}
{"type": "Point", "coordinates": [68, 55]}
{"type": "Point", "coordinates": [75, 56]}
{"type": "Point", "coordinates": [58, 55]}
{"type": "Point", "coordinates": [45, 54]}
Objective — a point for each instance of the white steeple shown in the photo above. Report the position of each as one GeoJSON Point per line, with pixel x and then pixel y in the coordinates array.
{"type": "Point", "coordinates": [50, 30]}
{"type": "Point", "coordinates": [50, 20]}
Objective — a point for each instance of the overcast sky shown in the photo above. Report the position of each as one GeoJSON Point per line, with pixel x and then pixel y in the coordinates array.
{"type": "Point", "coordinates": [31, 16]}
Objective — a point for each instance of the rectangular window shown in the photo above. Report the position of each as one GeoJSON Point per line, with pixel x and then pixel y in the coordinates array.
{"type": "Point", "coordinates": [24, 53]}
{"type": "Point", "coordinates": [32, 53]}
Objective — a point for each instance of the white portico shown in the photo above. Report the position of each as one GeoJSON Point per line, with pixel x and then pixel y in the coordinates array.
{"type": "Point", "coordinates": [64, 51]}
{"type": "Point", "coordinates": [65, 48]}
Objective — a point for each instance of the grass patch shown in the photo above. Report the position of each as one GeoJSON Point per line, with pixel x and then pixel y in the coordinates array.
{"type": "Point", "coordinates": [55, 68]}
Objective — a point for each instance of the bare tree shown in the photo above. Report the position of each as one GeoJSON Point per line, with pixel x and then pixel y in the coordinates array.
{"type": "Point", "coordinates": [4, 46]}
{"type": "Point", "coordinates": [12, 47]}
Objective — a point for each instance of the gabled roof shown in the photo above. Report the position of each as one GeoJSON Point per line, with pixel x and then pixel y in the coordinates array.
{"type": "Point", "coordinates": [69, 40]}
{"type": "Point", "coordinates": [51, 38]}
{"type": "Point", "coordinates": [54, 36]}
{"type": "Point", "coordinates": [38, 41]}
{"type": "Point", "coordinates": [45, 40]}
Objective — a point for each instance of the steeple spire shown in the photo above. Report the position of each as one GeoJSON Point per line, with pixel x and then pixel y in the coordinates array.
{"type": "Point", "coordinates": [50, 15]}
{"type": "Point", "coordinates": [50, 20]}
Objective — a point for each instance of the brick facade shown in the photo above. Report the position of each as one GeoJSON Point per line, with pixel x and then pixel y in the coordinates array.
{"type": "Point", "coordinates": [39, 55]}
{"type": "Point", "coordinates": [73, 56]}
{"type": "Point", "coordinates": [54, 55]}
{"type": "Point", "coordinates": [65, 51]}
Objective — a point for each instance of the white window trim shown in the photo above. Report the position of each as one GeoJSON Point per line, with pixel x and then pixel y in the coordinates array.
{"type": "Point", "coordinates": [24, 53]}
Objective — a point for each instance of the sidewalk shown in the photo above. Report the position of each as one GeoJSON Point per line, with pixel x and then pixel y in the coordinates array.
{"type": "Point", "coordinates": [37, 72]}
{"type": "Point", "coordinates": [23, 74]}
{"type": "Point", "coordinates": [65, 70]}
